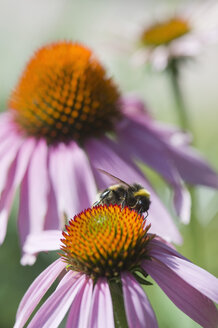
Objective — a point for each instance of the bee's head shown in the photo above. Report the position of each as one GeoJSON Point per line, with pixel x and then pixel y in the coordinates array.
{"type": "Point", "coordinates": [142, 200]}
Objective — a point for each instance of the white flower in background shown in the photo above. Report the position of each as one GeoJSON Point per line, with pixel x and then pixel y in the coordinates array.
{"type": "Point", "coordinates": [157, 34]}
{"type": "Point", "coordinates": [177, 36]}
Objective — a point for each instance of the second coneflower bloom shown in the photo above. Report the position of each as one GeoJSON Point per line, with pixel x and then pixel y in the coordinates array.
{"type": "Point", "coordinates": [66, 119]}
{"type": "Point", "coordinates": [179, 36]}
{"type": "Point", "coordinates": [106, 254]}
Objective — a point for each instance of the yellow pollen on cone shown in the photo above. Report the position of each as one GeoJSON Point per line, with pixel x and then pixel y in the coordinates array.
{"type": "Point", "coordinates": [109, 238]}
{"type": "Point", "coordinates": [165, 32]}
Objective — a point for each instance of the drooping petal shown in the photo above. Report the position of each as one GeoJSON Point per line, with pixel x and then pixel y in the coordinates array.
{"type": "Point", "coordinates": [188, 299]}
{"type": "Point", "coordinates": [8, 133]}
{"type": "Point", "coordinates": [5, 121]}
{"type": "Point", "coordinates": [152, 150]}
{"type": "Point", "coordinates": [192, 167]}
{"type": "Point", "coordinates": [7, 156]}
{"type": "Point", "coordinates": [52, 217]}
{"type": "Point", "coordinates": [101, 309]}
{"type": "Point", "coordinates": [169, 154]}
{"type": "Point", "coordinates": [34, 193]}
{"type": "Point", "coordinates": [38, 187]}
{"type": "Point", "coordinates": [182, 202]}
{"type": "Point", "coordinates": [72, 178]}
{"type": "Point", "coordinates": [14, 177]}
{"type": "Point", "coordinates": [48, 240]}
{"type": "Point", "coordinates": [86, 186]}
{"type": "Point", "coordinates": [177, 149]}
{"type": "Point", "coordinates": [133, 106]}
{"type": "Point", "coordinates": [80, 309]}
{"type": "Point", "coordinates": [23, 213]}
{"type": "Point", "coordinates": [5, 201]}
{"type": "Point", "coordinates": [107, 155]}
{"type": "Point", "coordinates": [62, 180]}
{"type": "Point", "coordinates": [159, 246]}
{"type": "Point", "coordinates": [195, 276]}
{"type": "Point", "coordinates": [139, 312]}
{"type": "Point", "coordinates": [36, 291]}
{"type": "Point", "coordinates": [137, 111]}
{"type": "Point", "coordinates": [54, 309]}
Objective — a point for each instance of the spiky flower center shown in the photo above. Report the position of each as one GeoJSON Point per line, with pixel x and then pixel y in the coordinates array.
{"type": "Point", "coordinates": [64, 94]}
{"type": "Point", "coordinates": [105, 240]}
{"type": "Point", "coordinates": [165, 32]}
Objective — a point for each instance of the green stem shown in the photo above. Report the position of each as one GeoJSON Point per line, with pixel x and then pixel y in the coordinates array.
{"type": "Point", "coordinates": [184, 120]}
{"type": "Point", "coordinates": [196, 231]}
{"type": "Point", "coordinates": [118, 304]}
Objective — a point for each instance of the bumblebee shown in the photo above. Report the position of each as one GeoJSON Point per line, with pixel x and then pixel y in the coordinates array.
{"type": "Point", "coordinates": [133, 196]}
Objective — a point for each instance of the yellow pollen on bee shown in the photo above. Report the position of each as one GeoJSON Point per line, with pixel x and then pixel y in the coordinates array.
{"type": "Point", "coordinates": [142, 192]}
{"type": "Point", "coordinates": [165, 32]}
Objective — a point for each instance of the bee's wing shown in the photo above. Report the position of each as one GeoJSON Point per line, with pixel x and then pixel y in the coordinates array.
{"type": "Point", "coordinates": [114, 178]}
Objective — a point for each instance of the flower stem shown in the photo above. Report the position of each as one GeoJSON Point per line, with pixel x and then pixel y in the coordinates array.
{"type": "Point", "coordinates": [184, 120]}
{"type": "Point", "coordinates": [118, 304]}
{"type": "Point", "coordinates": [196, 231]}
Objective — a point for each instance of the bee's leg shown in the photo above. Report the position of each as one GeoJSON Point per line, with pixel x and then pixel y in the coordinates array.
{"type": "Point", "coordinates": [146, 215]}
{"type": "Point", "coordinates": [96, 203]}
{"type": "Point", "coordinates": [123, 201]}
{"type": "Point", "coordinates": [123, 204]}
{"type": "Point", "coordinates": [103, 195]}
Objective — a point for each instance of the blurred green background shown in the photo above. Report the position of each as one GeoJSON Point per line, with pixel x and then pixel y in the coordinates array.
{"type": "Point", "coordinates": [100, 24]}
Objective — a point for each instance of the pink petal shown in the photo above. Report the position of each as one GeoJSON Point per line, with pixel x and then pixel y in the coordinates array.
{"type": "Point", "coordinates": [14, 178]}
{"type": "Point", "coordinates": [74, 278]}
{"type": "Point", "coordinates": [187, 158]}
{"type": "Point", "coordinates": [52, 217]}
{"type": "Point", "coordinates": [160, 246]}
{"type": "Point", "coordinates": [23, 213]}
{"type": "Point", "coordinates": [132, 106]}
{"type": "Point", "coordinates": [34, 193]}
{"type": "Point", "coordinates": [182, 202]}
{"type": "Point", "coordinates": [106, 154]}
{"type": "Point", "coordinates": [62, 178]}
{"type": "Point", "coordinates": [101, 310]}
{"type": "Point", "coordinates": [172, 134]}
{"type": "Point", "coordinates": [138, 309]}
{"type": "Point", "coordinates": [24, 155]}
{"type": "Point", "coordinates": [28, 259]}
{"type": "Point", "coordinates": [5, 201]}
{"type": "Point", "coordinates": [195, 276]}
{"type": "Point", "coordinates": [48, 240]}
{"type": "Point", "coordinates": [84, 177]}
{"type": "Point", "coordinates": [36, 291]}
{"type": "Point", "coordinates": [54, 309]}
{"type": "Point", "coordinates": [38, 187]}
{"type": "Point", "coordinates": [72, 178]}
{"type": "Point", "coordinates": [8, 136]}
{"type": "Point", "coordinates": [80, 309]}
{"type": "Point", "coordinates": [6, 159]}
{"type": "Point", "coordinates": [184, 296]}
{"type": "Point", "coordinates": [141, 140]}
{"type": "Point", "coordinates": [5, 120]}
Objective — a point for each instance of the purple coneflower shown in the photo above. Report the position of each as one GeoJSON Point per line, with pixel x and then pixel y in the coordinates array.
{"type": "Point", "coordinates": [66, 119]}
{"type": "Point", "coordinates": [103, 251]}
